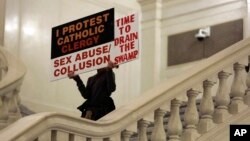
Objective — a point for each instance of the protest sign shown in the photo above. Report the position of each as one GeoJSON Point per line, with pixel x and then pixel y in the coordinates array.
{"type": "Point", "coordinates": [82, 45]}
{"type": "Point", "coordinates": [91, 42]}
{"type": "Point", "coordinates": [126, 42]}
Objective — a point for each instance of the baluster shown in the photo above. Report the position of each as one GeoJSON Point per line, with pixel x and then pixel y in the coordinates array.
{"type": "Point", "coordinates": [237, 90]}
{"type": "Point", "coordinates": [71, 137]}
{"type": "Point", "coordinates": [222, 98]}
{"type": "Point", "coordinates": [142, 130]}
{"type": "Point", "coordinates": [206, 108]}
{"type": "Point", "coordinates": [191, 117]}
{"type": "Point", "coordinates": [13, 108]}
{"type": "Point", "coordinates": [53, 135]}
{"type": "Point", "coordinates": [174, 122]}
{"type": "Point", "coordinates": [126, 135]}
{"type": "Point", "coordinates": [4, 114]}
{"type": "Point", "coordinates": [17, 102]}
{"type": "Point", "coordinates": [158, 133]}
{"type": "Point", "coordinates": [16, 92]}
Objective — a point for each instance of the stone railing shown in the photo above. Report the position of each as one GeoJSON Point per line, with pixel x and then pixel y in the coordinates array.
{"type": "Point", "coordinates": [167, 97]}
{"type": "Point", "coordinates": [12, 72]}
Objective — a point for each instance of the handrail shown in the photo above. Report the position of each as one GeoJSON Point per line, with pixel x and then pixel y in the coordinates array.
{"type": "Point", "coordinates": [118, 120]}
{"type": "Point", "coordinates": [15, 72]}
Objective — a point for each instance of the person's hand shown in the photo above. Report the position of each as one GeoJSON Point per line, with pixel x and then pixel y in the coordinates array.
{"type": "Point", "coordinates": [112, 65]}
{"type": "Point", "coordinates": [88, 114]}
{"type": "Point", "coordinates": [71, 75]}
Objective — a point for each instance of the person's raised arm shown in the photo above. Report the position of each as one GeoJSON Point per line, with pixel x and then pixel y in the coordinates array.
{"type": "Point", "coordinates": [110, 77]}
{"type": "Point", "coordinates": [81, 87]}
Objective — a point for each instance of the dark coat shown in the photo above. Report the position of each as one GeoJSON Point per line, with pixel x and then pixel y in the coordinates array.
{"type": "Point", "coordinates": [97, 93]}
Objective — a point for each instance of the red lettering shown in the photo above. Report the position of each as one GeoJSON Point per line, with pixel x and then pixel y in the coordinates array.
{"type": "Point", "coordinates": [99, 61]}
{"type": "Point", "coordinates": [136, 52]}
{"type": "Point", "coordinates": [56, 63]}
{"type": "Point", "coordinates": [78, 57]}
{"type": "Point", "coordinates": [127, 46]}
{"type": "Point", "coordinates": [63, 70]}
{"type": "Point", "coordinates": [77, 45]}
{"type": "Point", "coordinates": [126, 57]}
{"type": "Point", "coordinates": [56, 72]}
{"type": "Point", "coordinates": [126, 38]}
{"type": "Point", "coordinates": [68, 59]}
{"type": "Point", "coordinates": [89, 64]}
{"type": "Point", "coordinates": [62, 61]}
{"type": "Point", "coordinates": [93, 52]}
{"type": "Point", "coordinates": [116, 41]}
{"type": "Point", "coordinates": [106, 49]}
{"type": "Point", "coordinates": [121, 29]}
{"type": "Point", "coordinates": [84, 55]}
{"type": "Point", "coordinates": [127, 28]}
{"type": "Point", "coordinates": [98, 51]}
{"type": "Point", "coordinates": [125, 20]}
{"type": "Point", "coordinates": [64, 49]}
{"type": "Point", "coordinates": [81, 65]}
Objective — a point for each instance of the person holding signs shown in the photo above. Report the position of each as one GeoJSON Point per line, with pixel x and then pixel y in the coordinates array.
{"type": "Point", "coordinates": [97, 92]}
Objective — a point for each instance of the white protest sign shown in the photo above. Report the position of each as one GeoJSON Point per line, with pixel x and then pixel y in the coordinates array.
{"type": "Point", "coordinates": [91, 42]}
{"type": "Point", "coordinates": [126, 43]}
